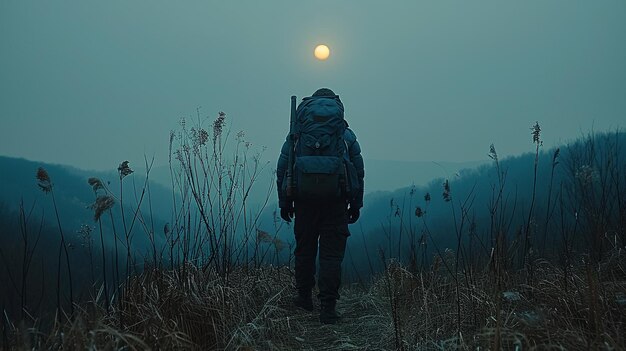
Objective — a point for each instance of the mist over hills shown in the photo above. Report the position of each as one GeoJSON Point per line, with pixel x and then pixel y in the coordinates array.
{"type": "Point", "coordinates": [579, 181]}
{"type": "Point", "coordinates": [381, 175]}
{"type": "Point", "coordinates": [74, 195]}
{"type": "Point", "coordinates": [388, 175]}
{"type": "Point", "coordinates": [394, 191]}
{"type": "Point", "coordinates": [581, 184]}
{"type": "Point", "coordinates": [393, 188]}
{"type": "Point", "coordinates": [30, 234]}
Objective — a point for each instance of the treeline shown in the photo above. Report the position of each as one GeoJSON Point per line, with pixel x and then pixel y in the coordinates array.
{"type": "Point", "coordinates": [553, 204]}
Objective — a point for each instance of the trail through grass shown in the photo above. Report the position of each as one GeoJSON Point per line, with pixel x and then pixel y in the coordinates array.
{"type": "Point", "coordinates": [362, 326]}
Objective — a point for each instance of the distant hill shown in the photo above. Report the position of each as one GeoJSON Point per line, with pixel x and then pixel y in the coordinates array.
{"type": "Point", "coordinates": [387, 175]}
{"type": "Point", "coordinates": [588, 183]}
{"type": "Point", "coordinates": [394, 190]}
{"type": "Point", "coordinates": [37, 234]}
{"type": "Point", "coordinates": [381, 175]}
{"type": "Point", "coordinates": [72, 192]}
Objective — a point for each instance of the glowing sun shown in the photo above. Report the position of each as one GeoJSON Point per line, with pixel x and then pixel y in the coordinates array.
{"type": "Point", "coordinates": [321, 52]}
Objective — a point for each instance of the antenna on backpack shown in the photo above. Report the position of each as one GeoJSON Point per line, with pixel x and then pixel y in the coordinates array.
{"type": "Point", "coordinates": [292, 143]}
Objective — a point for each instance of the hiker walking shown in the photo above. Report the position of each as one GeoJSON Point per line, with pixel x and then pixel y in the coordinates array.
{"type": "Point", "coordinates": [320, 182]}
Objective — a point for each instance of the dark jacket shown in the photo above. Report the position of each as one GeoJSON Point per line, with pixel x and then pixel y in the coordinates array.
{"type": "Point", "coordinates": [354, 152]}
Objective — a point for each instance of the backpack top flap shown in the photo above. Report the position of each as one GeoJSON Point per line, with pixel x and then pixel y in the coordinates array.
{"type": "Point", "coordinates": [320, 115]}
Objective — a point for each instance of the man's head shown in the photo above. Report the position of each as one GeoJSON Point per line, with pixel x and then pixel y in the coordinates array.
{"type": "Point", "coordinates": [324, 92]}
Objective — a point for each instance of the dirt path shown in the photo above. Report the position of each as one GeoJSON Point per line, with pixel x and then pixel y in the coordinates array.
{"type": "Point", "coordinates": [362, 327]}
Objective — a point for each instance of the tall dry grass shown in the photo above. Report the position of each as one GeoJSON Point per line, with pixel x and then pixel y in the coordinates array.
{"type": "Point", "coordinates": [585, 311]}
{"type": "Point", "coordinates": [219, 292]}
{"type": "Point", "coordinates": [162, 310]}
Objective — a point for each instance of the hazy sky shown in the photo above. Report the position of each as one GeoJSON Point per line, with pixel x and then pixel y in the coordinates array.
{"type": "Point", "coordinates": [92, 83]}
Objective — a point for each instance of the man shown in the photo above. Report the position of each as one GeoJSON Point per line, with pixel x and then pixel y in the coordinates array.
{"type": "Point", "coordinates": [321, 222]}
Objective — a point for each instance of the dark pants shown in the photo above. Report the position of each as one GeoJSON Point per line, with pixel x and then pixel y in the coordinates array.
{"type": "Point", "coordinates": [327, 224]}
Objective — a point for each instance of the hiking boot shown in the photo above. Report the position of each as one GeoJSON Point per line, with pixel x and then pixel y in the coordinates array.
{"type": "Point", "coordinates": [304, 301]}
{"type": "Point", "coordinates": [328, 314]}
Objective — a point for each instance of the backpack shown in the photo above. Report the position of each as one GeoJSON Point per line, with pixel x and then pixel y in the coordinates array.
{"type": "Point", "coordinates": [322, 163]}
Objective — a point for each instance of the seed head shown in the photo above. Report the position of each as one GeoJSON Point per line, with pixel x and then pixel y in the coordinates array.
{"type": "Point", "coordinates": [102, 204]}
{"type": "Point", "coordinates": [419, 212]}
{"type": "Point", "coordinates": [124, 169]}
{"type": "Point", "coordinates": [492, 153]}
{"type": "Point", "coordinates": [199, 138]}
{"type": "Point", "coordinates": [95, 183]}
{"type": "Point", "coordinates": [446, 191]}
{"type": "Point", "coordinates": [536, 132]}
{"type": "Point", "coordinates": [43, 180]}
{"type": "Point", "coordinates": [241, 135]}
{"type": "Point", "coordinates": [203, 136]}
{"type": "Point", "coordinates": [555, 157]}
{"type": "Point", "coordinates": [218, 125]}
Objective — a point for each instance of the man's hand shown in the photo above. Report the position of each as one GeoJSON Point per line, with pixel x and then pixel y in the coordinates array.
{"type": "Point", "coordinates": [286, 213]}
{"type": "Point", "coordinates": [353, 215]}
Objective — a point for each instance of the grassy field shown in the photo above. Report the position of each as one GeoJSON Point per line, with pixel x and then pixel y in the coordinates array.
{"type": "Point", "coordinates": [252, 310]}
{"type": "Point", "coordinates": [214, 280]}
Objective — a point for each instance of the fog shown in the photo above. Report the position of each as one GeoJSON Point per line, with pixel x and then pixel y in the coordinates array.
{"type": "Point", "coordinates": [92, 84]}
